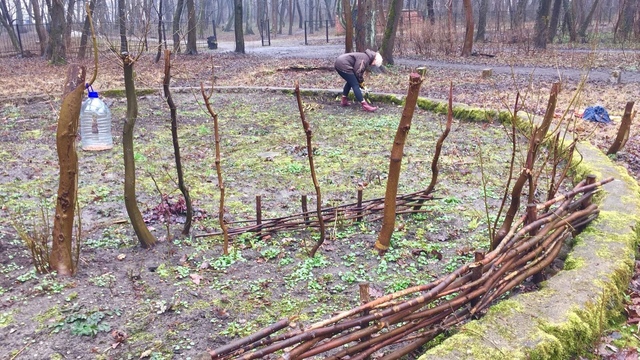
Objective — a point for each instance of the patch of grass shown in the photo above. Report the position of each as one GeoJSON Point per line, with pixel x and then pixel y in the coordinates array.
{"type": "Point", "coordinates": [6, 318]}
{"type": "Point", "coordinates": [104, 280]}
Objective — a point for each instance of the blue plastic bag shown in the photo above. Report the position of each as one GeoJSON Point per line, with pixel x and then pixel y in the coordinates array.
{"type": "Point", "coordinates": [596, 113]}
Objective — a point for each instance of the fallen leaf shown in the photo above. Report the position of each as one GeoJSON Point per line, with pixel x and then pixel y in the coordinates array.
{"type": "Point", "coordinates": [121, 257]}
{"type": "Point", "coordinates": [145, 354]}
{"type": "Point", "coordinates": [195, 278]}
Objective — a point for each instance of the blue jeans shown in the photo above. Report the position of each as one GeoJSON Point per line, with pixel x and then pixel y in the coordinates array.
{"type": "Point", "coordinates": [352, 83]}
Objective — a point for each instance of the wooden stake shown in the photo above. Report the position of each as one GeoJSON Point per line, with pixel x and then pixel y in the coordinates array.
{"type": "Point", "coordinates": [623, 131]}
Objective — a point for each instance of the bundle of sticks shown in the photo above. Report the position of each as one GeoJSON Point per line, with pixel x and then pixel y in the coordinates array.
{"type": "Point", "coordinates": [402, 322]}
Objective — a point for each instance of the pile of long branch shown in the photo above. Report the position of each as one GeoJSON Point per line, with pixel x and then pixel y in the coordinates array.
{"type": "Point", "coordinates": [403, 321]}
{"type": "Point", "coordinates": [406, 203]}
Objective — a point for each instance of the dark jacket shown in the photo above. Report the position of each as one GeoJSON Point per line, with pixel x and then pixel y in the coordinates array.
{"type": "Point", "coordinates": [355, 63]}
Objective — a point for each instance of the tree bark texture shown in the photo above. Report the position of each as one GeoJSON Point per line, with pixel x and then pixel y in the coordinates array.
{"type": "Point", "coordinates": [553, 22]}
{"type": "Point", "coordinates": [176, 146]}
{"type": "Point", "coordinates": [40, 30]}
{"type": "Point", "coordinates": [348, 29]}
{"type": "Point", "coordinates": [192, 48]}
{"type": "Point", "coordinates": [389, 37]}
{"type": "Point", "coordinates": [145, 237]}
{"type": "Point", "coordinates": [86, 29]}
{"type": "Point", "coordinates": [582, 31]}
{"type": "Point", "coordinates": [61, 258]}
{"type": "Point", "coordinates": [482, 20]}
{"type": "Point", "coordinates": [395, 163]}
{"type": "Point", "coordinates": [216, 134]}
{"type": "Point", "coordinates": [542, 24]}
{"type": "Point", "coordinates": [623, 132]}
{"type": "Point", "coordinates": [237, 11]}
{"type": "Point", "coordinates": [468, 36]}
{"type": "Point", "coordinates": [56, 50]}
{"type": "Point", "coordinates": [177, 15]}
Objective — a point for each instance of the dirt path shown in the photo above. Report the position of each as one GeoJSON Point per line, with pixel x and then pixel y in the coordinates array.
{"type": "Point", "coordinates": [288, 48]}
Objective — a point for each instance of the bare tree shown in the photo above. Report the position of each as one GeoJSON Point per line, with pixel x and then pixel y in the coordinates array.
{"type": "Point", "coordinates": [482, 20]}
{"type": "Point", "coordinates": [237, 11]}
{"type": "Point", "coordinates": [61, 257]}
{"type": "Point", "coordinates": [582, 31]}
{"type": "Point", "coordinates": [176, 25]}
{"type": "Point", "coordinates": [542, 24]}
{"type": "Point", "coordinates": [7, 24]}
{"type": "Point", "coordinates": [553, 23]}
{"type": "Point", "coordinates": [192, 48]}
{"type": "Point", "coordinates": [145, 237]}
{"type": "Point", "coordinates": [389, 37]}
{"type": "Point", "coordinates": [56, 48]}
{"type": "Point", "coordinates": [348, 28]}
{"type": "Point", "coordinates": [468, 36]}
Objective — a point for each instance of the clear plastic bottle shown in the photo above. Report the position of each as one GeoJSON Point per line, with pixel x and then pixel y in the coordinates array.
{"type": "Point", "coordinates": [95, 124]}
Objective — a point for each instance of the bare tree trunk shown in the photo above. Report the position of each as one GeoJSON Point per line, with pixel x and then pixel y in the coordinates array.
{"type": "Point", "coordinates": [192, 48]}
{"type": "Point", "coordinates": [542, 24]}
{"type": "Point", "coordinates": [468, 36]}
{"type": "Point", "coordinates": [623, 131]}
{"type": "Point", "coordinates": [482, 20]}
{"type": "Point", "coordinates": [283, 7]}
{"type": "Point", "coordinates": [300, 16]}
{"type": "Point", "coordinates": [248, 28]}
{"type": "Point", "coordinates": [519, 17]}
{"type": "Point", "coordinates": [450, 25]}
{"type": "Point", "coordinates": [389, 37]}
{"type": "Point", "coordinates": [61, 257]}
{"type": "Point", "coordinates": [431, 14]}
{"type": "Point", "coordinates": [56, 49]}
{"type": "Point", "coordinates": [555, 17]}
{"type": "Point", "coordinates": [130, 199]}
{"type": "Point", "coordinates": [361, 20]}
{"type": "Point", "coordinates": [569, 20]}
{"type": "Point", "coordinates": [176, 146]}
{"type": "Point", "coordinates": [160, 15]}
{"type": "Point", "coordinates": [330, 13]}
{"type": "Point", "coordinates": [395, 163]}
{"type": "Point", "coordinates": [582, 32]}
{"type": "Point", "coordinates": [348, 20]}
{"type": "Point", "coordinates": [238, 26]}
{"type": "Point", "coordinates": [40, 30]}
{"type": "Point", "coordinates": [274, 17]}
{"type": "Point", "coordinates": [5, 20]}
{"type": "Point", "coordinates": [176, 26]}
{"type": "Point", "coordinates": [69, 21]}
{"type": "Point", "coordinates": [85, 31]}
{"type": "Point", "coordinates": [310, 9]}
{"type": "Point", "coordinates": [290, 17]}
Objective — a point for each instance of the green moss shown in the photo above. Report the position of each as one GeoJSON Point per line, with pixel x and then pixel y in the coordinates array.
{"type": "Point", "coordinates": [573, 263]}
{"type": "Point", "coordinates": [121, 92]}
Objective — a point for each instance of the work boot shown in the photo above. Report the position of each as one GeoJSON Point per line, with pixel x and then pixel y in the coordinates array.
{"type": "Point", "coordinates": [367, 107]}
{"type": "Point", "coordinates": [344, 101]}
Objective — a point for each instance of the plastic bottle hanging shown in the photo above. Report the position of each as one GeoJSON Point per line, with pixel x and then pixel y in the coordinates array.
{"type": "Point", "coordinates": [95, 123]}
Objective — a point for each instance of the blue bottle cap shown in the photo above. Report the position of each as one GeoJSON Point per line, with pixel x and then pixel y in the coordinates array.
{"type": "Point", "coordinates": [93, 94]}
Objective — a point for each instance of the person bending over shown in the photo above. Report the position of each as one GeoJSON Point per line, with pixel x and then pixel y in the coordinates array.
{"type": "Point", "coordinates": [351, 67]}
